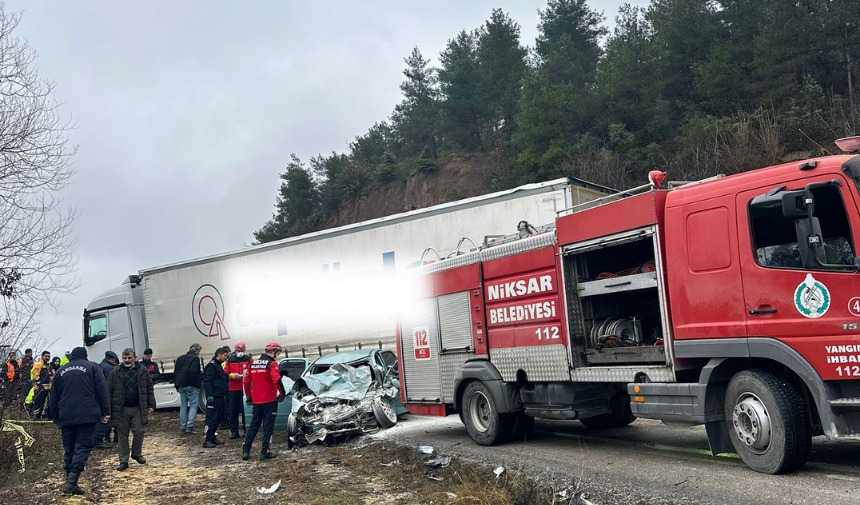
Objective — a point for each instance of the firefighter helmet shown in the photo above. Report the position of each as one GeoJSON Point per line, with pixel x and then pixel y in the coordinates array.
{"type": "Point", "coordinates": [273, 346]}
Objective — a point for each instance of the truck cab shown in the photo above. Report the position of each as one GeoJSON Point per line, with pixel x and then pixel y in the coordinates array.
{"type": "Point", "coordinates": [114, 321]}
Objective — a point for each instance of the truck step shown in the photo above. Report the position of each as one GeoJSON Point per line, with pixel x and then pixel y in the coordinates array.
{"type": "Point", "coordinates": [845, 404]}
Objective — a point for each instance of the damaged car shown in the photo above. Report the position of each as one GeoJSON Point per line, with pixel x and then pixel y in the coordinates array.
{"type": "Point", "coordinates": [345, 393]}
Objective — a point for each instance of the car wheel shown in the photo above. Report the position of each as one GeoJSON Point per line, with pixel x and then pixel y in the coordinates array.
{"type": "Point", "coordinates": [384, 412]}
{"type": "Point", "coordinates": [292, 430]}
{"type": "Point", "coordinates": [768, 422]}
{"type": "Point", "coordinates": [482, 419]}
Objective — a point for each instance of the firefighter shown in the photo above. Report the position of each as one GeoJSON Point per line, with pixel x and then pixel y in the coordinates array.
{"type": "Point", "coordinates": [150, 366]}
{"type": "Point", "coordinates": [236, 367]}
{"type": "Point", "coordinates": [263, 389]}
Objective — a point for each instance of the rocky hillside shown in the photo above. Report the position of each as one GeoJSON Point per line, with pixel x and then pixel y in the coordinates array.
{"type": "Point", "coordinates": [458, 176]}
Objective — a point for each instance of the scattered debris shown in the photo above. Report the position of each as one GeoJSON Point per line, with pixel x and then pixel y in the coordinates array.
{"type": "Point", "coordinates": [562, 494]}
{"type": "Point", "coordinates": [270, 490]}
{"type": "Point", "coordinates": [426, 449]}
{"type": "Point", "coordinates": [580, 499]}
{"type": "Point", "coordinates": [432, 476]}
{"type": "Point", "coordinates": [393, 463]}
{"type": "Point", "coordinates": [438, 461]}
{"type": "Point", "coordinates": [451, 496]}
{"type": "Point", "coordinates": [499, 471]}
{"type": "Point", "coordinates": [369, 490]}
{"type": "Point", "coordinates": [334, 461]}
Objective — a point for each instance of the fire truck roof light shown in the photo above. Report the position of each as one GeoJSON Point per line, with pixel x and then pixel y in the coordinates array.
{"type": "Point", "coordinates": [849, 144]}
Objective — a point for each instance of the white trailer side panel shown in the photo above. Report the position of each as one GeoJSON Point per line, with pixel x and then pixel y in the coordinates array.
{"type": "Point", "coordinates": [335, 287]}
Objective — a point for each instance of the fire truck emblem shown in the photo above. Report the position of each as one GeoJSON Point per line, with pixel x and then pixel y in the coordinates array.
{"type": "Point", "coordinates": [207, 309]}
{"type": "Point", "coordinates": [811, 297]}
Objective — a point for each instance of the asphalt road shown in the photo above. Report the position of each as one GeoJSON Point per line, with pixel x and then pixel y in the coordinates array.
{"type": "Point", "coordinates": [645, 463]}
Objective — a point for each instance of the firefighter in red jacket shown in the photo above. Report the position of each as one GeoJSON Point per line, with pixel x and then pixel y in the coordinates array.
{"type": "Point", "coordinates": [235, 368]}
{"type": "Point", "coordinates": [263, 390]}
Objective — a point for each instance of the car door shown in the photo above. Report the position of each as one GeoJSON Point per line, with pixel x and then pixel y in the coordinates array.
{"type": "Point", "coordinates": [386, 358]}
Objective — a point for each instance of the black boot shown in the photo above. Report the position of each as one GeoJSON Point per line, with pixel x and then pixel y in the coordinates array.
{"type": "Point", "coordinates": [71, 485]}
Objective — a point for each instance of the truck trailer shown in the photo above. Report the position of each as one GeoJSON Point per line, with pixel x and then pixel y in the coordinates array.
{"type": "Point", "coordinates": [321, 292]}
{"type": "Point", "coordinates": [732, 302]}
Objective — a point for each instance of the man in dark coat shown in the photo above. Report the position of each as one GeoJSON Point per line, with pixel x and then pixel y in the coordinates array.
{"type": "Point", "coordinates": [187, 379]}
{"type": "Point", "coordinates": [79, 397]}
{"type": "Point", "coordinates": [151, 366]}
{"type": "Point", "coordinates": [107, 365]}
{"type": "Point", "coordinates": [215, 384]}
{"type": "Point", "coordinates": [132, 400]}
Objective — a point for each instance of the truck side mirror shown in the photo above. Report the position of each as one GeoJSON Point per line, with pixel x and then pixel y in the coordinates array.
{"type": "Point", "coordinates": [796, 205]}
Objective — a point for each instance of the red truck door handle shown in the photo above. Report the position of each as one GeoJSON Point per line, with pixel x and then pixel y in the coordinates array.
{"type": "Point", "coordinates": [764, 309]}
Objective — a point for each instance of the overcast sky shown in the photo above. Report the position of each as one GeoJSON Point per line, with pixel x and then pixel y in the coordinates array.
{"type": "Point", "coordinates": [187, 111]}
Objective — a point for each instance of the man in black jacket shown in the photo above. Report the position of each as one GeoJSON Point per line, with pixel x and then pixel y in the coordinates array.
{"type": "Point", "coordinates": [132, 400]}
{"type": "Point", "coordinates": [107, 365]}
{"type": "Point", "coordinates": [215, 385]}
{"type": "Point", "coordinates": [151, 366]}
{"type": "Point", "coordinates": [79, 397]}
{"type": "Point", "coordinates": [187, 378]}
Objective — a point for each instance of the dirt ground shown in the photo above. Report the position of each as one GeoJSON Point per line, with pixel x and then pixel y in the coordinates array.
{"type": "Point", "coordinates": [180, 470]}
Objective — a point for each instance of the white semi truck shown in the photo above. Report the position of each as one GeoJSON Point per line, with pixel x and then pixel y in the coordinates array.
{"type": "Point", "coordinates": [330, 290]}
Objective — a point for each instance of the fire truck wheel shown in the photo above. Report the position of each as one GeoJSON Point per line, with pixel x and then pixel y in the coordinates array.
{"type": "Point", "coordinates": [621, 415]}
{"type": "Point", "coordinates": [482, 419]}
{"type": "Point", "coordinates": [768, 422]}
{"type": "Point", "coordinates": [383, 412]}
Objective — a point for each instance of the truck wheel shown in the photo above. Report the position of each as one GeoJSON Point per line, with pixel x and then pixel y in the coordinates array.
{"type": "Point", "coordinates": [383, 412]}
{"type": "Point", "coordinates": [621, 415]}
{"type": "Point", "coordinates": [482, 419]}
{"type": "Point", "coordinates": [768, 422]}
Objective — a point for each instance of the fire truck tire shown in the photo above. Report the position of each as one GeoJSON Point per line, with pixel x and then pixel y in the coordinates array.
{"type": "Point", "coordinates": [621, 415]}
{"type": "Point", "coordinates": [768, 422]}
{"type": "Point", "coordinates": [481, 416]}
{"type": "Point", "coordinates": [383, 412]}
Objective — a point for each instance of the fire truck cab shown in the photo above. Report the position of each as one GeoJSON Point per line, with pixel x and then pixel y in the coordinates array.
{"type": "Point", "coordinates": [732, 302]}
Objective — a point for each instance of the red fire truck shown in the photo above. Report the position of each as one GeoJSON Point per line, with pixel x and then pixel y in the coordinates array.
{"type": "Point", "coordinates": [732, 302]}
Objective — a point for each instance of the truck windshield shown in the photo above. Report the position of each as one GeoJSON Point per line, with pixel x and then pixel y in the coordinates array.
{"type": "Point", "coordinates": [775, 239]}
{"type": "Point", "coordinates": [95, 329]}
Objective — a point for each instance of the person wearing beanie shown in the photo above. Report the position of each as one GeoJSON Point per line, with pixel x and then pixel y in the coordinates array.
{"type": "Point", "coordinates": [236, 366]}
{"type": "Point", "coordinates": [79, 398]}
{"type": "Point", "coordinates": [150, 366]}
{"type": "Point", "coordinates": [103, 437]}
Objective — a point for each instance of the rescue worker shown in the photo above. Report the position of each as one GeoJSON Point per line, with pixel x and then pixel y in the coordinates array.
{"type": "Point", "coordinates": [132, 401]}
{"type": "Point", "coordinates": [150, 366]}
{"type": "Point", "coordinates": [103, 438]}
{"type": "Point", "coordinates": [215, 385]}
{"type": "Point", "coordinates": [80, 400]}
{"type": "Point", "coordinates": [41, 377]}
{"type": "Point", "coordinates": [65, 358]}
{"type": "Point", "coordinates": [11, 367]}
{"type": "Point", "coordinates": [236, 367]}
{"type": "Point", "coordinates": [187, 378]}
{"type": "Point", "coordinates": [264, 390]}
